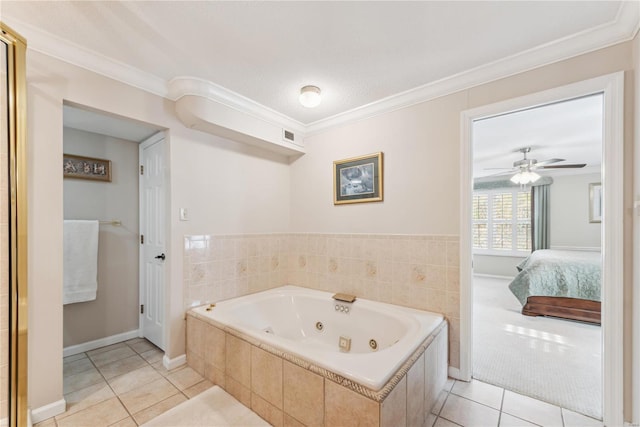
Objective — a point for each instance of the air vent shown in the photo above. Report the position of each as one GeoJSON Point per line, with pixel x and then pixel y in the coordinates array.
{"type": "Point", "coordinates": [288, 135]}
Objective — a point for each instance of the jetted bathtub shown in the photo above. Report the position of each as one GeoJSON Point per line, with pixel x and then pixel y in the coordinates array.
{"type": "Point", "coordinates": [364, 341]}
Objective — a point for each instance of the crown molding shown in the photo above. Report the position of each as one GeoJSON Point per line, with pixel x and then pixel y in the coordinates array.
{"type": "Point", "coordinates": [64, 50]}
{"type": "Point", "coordinates": [184, 85]}
{"type": "Point", "coordinates": [623, 28]}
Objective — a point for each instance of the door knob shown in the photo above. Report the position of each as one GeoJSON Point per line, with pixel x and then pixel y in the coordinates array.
{"type": "Point", "coordinates": [161, 256]}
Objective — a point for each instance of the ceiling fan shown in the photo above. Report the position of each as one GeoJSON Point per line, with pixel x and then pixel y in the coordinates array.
{"type": "Point", "coordinates": [525, 168]}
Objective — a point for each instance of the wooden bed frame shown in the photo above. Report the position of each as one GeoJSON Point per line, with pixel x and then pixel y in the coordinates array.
{"type": "Point", "coordinates": [563, 307]}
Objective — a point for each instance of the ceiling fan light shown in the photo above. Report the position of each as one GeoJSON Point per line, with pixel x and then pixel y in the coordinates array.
{"type": "Point", "coordinates": [310, 96]}
{"type": "Point", "coordinates": [525, 177]}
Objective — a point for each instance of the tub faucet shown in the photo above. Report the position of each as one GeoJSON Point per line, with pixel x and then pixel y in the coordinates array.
{"type": "Point", "coordinates": [344, 297]}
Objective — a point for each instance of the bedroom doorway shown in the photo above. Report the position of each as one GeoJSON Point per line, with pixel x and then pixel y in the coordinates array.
{"type": "Point", "coordinates": [544, 228]}
{"type": "Point", "coordinates": [562, 139]}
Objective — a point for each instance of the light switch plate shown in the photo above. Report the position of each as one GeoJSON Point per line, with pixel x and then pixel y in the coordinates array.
{"type": "Point", "coordinates": [184, 214]}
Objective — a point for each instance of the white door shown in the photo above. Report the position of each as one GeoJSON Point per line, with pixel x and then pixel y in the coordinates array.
{"type": "Point", "coordinates": [152, 239]}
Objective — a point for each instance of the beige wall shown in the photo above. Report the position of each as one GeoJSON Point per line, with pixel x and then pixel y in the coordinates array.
{"type": "Point", "coordinates": [421, 144]}
{"type": "Point", "coordinates": [569, 212]}
{"type": "Point", "coordinates": [221, 182]}
{"type": "Point", "coordinates": [115, 309]}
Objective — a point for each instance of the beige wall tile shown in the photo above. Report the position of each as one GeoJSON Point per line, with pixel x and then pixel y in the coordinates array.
{"type": "Point", "coordinates": [266, 376]}
{"type": "Point", "coordinates": [436, 252]}
{"type": "Point", "coordinates": [195, 336]}
{"type": "Point", "coordinates": [215, 346]}
{"type": "Point", "coordinates": [238, 360]}
{"type": "Point", "coordinates": [303, 395]}
{"type": "Point", "coordinates": [266, 410]}
{"type": "Point", "coordinates": [431, 390]}
{"type": "Point", "coordinates": [237, 390]}
{"type": "Point", "coordinates": [344, 407]}
{"type": "Point", "coordinates": [104, 413]}
{"type": "Point", "coordinates": [415, 393]}
{"type": "Point", "coordinates": [195, 362]}
{"type": "Point", "coordinates": [216, 376]}
{"type": "Point", "coordinates": [393, 410]}
{"type": "Point", "coordinates": [289, 421]}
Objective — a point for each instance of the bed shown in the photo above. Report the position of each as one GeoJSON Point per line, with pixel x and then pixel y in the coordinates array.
{"type": "Point", "coordinates": [563, 284]}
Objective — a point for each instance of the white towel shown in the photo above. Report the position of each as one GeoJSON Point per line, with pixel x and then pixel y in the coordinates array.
{"type": "Point", "coordinates": [80, 261]}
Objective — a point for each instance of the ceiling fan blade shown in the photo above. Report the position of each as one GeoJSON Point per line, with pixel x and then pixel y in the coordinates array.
{"type": "Point", "coordinates": [510, 169]}
{"type": "Point", "coordinates": [548, 162]}
{"type": "Point", "coordinates": [576, 166]}
{"type": "Point", "coordinates": [509, 172]}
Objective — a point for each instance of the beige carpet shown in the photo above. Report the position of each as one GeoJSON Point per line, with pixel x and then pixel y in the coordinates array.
{"type": "Point", "coordinates": [211, 408]}
{"type": "Point", "coordinates": [557, 361]}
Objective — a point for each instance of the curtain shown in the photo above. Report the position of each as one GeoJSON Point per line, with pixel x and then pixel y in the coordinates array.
{"type": "Point", "coordinates": [540, 217]}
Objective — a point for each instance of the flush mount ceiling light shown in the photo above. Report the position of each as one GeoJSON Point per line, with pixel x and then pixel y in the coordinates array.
{"type": "Point", "coordinates": [525, 176]}
{"type": "Point", "coordinates": [310, 96]}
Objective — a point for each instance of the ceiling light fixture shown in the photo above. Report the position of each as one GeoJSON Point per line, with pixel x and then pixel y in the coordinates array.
{"type": "Point", "coordinates": [525, 176]}
{"type": "Point", "coordinates": [310, 96]}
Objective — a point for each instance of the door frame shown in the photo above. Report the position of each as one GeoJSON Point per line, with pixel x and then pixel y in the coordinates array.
{"type": "Point", "coordinates": [612, 86]}
{"type": "Point", "coordinates": [160, 136]}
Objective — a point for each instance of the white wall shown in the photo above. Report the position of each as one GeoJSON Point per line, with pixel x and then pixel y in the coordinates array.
{"type": "Point", "coordinates": [496, 265]}
{"type": "Point", "coordinates": [569, 212]}
{"type": "Point", "coordinates": [115, 309]}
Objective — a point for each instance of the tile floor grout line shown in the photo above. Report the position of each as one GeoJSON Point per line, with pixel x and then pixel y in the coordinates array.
{"type": "Point", "coordinates": [475, 401]}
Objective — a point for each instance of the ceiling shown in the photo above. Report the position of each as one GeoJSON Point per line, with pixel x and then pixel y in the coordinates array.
{"type": "Point", "coordinates": [365, 56]}
{"type": "Point", "coordinates": [359, 53]}
{"type": "Point", "coordinates": [570, 130]}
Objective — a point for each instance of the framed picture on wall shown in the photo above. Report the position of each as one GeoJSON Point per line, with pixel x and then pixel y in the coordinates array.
{"type": "Point", "coordinates": [358, 179]}
{"type": "Point", "coordinates": [86, 168]}
{"type": "Point", "coordinates": [595, 202]}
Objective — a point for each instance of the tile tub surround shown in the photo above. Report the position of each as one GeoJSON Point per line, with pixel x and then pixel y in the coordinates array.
{"type": "Point", "coordinates": [417, 271]}
{"type": "Point", "coordinates": [287, 390]}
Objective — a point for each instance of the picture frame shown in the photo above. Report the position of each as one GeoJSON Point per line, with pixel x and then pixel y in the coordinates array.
{"type": "Point", "coordinates": [595, 202]}
{"type": "Point", "coordinates": [358, 179]}
{"type": "Point", "coordinates": [81, 167]}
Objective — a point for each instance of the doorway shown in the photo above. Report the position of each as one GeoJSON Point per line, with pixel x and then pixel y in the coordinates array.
{"type": "Point", "coordinates": [611, 86]}
{"type": "Point", "coordinates": [110, 314]}
{"type": "Point", "coordinates": [539, 239]}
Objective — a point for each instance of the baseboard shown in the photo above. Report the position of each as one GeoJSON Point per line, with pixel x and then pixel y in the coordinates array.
{"type": "Point", "coordinates": [455, 373]}
{"type": "Point", "coordinates": [175, 362]}
{"type": "Point", "coordinates": [493, 276]}
{"type": "Point", "coordinates": [47, 411]}
{"type": "Point", "coordinates": [102, 342]}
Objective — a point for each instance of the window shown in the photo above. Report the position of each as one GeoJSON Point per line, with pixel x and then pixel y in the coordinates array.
{"type": "Point", "coordinates": [501, 221]}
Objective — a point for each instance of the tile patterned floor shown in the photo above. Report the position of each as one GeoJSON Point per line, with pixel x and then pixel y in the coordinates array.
{"type": "Point", "coordinates": [125, 384]}
{"type": "Point", "coordinates": [480, 404]}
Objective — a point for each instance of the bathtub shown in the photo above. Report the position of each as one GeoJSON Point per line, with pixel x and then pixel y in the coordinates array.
{"type": "Point", "coordinates": [364, 341]}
